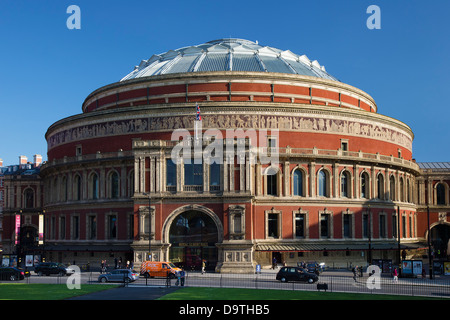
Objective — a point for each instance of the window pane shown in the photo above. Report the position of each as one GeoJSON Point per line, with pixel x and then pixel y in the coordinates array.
{"type": "Point", "coordinates": [193, 174]}
{"type": "Point", "coordinates": [171, 173]}
{"type": "Point", "coordinates": [214, 174]}
{"type": "Point", "coordinates": [322, 184]}
{"type": "Point", "coordinates": [114, 185]}
{"type": "Point", "coordinates": [298, 183]}
{"type": "Point", "coordinates": [324, 219]}
{"type": "Point", "coordinates": [273, 225]}
{"type": "Point", "coordinates": [299, 225]}
{"type": "Point", "coordinates": [347, 226]}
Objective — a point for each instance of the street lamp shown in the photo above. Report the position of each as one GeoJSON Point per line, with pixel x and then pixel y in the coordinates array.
{"type": "Point", "coordinates": [369, 225]}
{"type": "Point", "coordinates": [149, 227]}
{"type": "Point", "coordinates": [430, 258]}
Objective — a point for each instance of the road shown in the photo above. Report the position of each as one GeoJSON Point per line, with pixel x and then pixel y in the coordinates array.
{"type": "Point", "coordinates": [337, 281]}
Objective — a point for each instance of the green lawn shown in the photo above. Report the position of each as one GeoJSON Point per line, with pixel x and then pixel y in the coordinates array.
{"type": "Point", "coordinates": [24, 291]}
{"type": "Point", "coordinates": [192, 293]}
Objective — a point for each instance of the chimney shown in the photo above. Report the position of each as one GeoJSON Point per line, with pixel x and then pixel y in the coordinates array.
{"type": "Point", "coordinates": [37, 160]}
{"type": "Point", "coordinates": [1, 163]}
{"type": "Point", "coordinates": [23, 160]}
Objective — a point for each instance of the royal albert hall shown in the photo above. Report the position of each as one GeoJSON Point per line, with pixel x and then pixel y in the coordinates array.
{"type": "Point", "coordinates": [313, 172]}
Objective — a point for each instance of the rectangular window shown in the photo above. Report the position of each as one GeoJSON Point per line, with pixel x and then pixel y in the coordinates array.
{"type": "Point", "coordinates": [237, 223]}
{"type": "Point", "coordinates": [62, 228]}
{"type": "Point", "coordinates": [171, 173]}
{"type": "Point", "coordinates": [75, 227]}
{"type": "Point", "coordinates": [300, 225]}
{"type": "Point", "coordinates": [365, 225]}
{"type": "Point", "coordinates": [112, 227]}
{"type": "Point", "coordinates": [193, 174]}
{"type": "Point", "coordinates": [92, 227]}
{"type": "Point", "coordinates": [324, 225]}
{"type": "Point", "coordinates": [382, 226]}
{"type": "Point", "coordinates": [214, 174]}
{"type": "Point", "coordinates": [273, 225]}
{"type": "Point", "coordinates": [347, 226]}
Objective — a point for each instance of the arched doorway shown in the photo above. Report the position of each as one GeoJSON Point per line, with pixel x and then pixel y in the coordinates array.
{"type": "Point", "coordinates": [193, 235]}
{"type": "Point", "coordinates": [440, 235]}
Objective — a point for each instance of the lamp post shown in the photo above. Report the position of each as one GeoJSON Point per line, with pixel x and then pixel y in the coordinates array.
{"type": "Point", "coordinates": [398, 237]}
{"type": "Point", "coordinates": [369, 233]}
{"type": "Point", "coordinates": [430, 258]}
{"type": "Point", "coordinates": [149, 227]}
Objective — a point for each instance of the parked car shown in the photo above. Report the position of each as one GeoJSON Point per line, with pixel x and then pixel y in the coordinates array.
{"type": "Point", "coordinates": [49, 268]}
{"type": "Point", "coordinates": [119, 275]}
{"type": "Point", "coordinates": [13, 274]}
{"type": "Point", "coordinates": [296, 274]}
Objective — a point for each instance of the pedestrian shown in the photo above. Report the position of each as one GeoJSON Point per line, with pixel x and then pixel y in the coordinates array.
{"type": "Point", "coordinates": [182, 275]}
{"type": "Point", "coordinates": [203, 266]}
{"type": "Point", "coordinates": [355, 271]}
{"type": "Point", "coordinates": [424, 273]}
{"type": "Point", "coordinates": [102, 266]}
{"type": "Point", "coordinates": [395, 279]}
{"type": "Point", "coordinates": [274, 263]}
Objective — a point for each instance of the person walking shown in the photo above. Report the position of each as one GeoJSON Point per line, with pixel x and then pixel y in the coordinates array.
{"type": "Point", "coordinates": [203, 266]}
{"type": "Point", "coordinates": [182, 275]}
{"type": "Point", "coordinates": [395, 279]}
{"type": "Point", "coordinates": [355, 271]}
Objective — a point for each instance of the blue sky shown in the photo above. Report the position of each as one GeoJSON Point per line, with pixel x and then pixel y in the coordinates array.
{"type": "Point", "coordinates": [48, 70]}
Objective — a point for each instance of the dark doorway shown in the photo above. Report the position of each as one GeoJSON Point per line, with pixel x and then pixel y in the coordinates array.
{"type": "Point", "coordinates": [440, 236]}
{"type": "Point", "coordinates": [193, 236]}
{"type": "Point", "coordinates": [276, 258]}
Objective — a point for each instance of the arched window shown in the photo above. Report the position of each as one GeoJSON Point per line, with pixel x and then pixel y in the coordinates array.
{"type": "Point", "coordinates": [402, 190]}
{"type": "Point", "coordinates": [298, 183]}
{"type": "Point", "coordinates": [380, 186]}
{"type": "Point", "coordinates": [322, 185]}
{"type": "Point", "coordinates": [64, 189]}
{"type": "Point", "coordinates": [392, 188]}
{"type": "Point", "coordinates": [94, 186]}
{"type": "Point", "coordinates": [77, 187]}
{"type": "Point", "coordinates": [440, 194]}
{"type": "Point", "coordinates": [114, 185]}
{"type": "Point", "coordinates": [345, 184]}
{"type": "Point", "coordinates": [365, 193]}
{"type": "Point", "coordinates": [272, 185]}
{"type": "Point", "coordinates": [408, 191]}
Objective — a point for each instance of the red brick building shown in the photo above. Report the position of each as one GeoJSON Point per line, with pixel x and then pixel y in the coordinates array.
{"type": "Point", "coordinates": [22, 207]}
{"type": "Point", "coordinates": [310, 171]}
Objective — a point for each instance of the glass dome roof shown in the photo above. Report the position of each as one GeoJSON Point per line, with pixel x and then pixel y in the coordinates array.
{"type": "Point", "coordinates": [228, 55]}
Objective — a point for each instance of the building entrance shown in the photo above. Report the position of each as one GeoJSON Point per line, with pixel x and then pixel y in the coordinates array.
{"type": "Point", "coordinates": [440, 236]}
{"type": "Point", "coordinates": [193, 236]}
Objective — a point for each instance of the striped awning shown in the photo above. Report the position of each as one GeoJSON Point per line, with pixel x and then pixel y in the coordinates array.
{"type": "Point", "coordinates": [345, 246]}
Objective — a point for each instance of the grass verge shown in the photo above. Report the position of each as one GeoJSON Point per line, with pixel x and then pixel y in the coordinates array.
{"type": "Point", "coordinates": [24, 291]}
{"type": "Point", "coordinates": [193, 293]}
